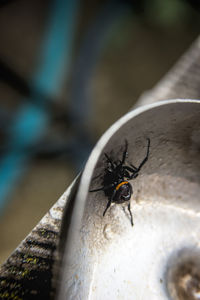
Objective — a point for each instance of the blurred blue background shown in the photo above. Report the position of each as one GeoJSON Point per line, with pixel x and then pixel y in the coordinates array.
{"type": "Point", "coordinates": [68, 70]}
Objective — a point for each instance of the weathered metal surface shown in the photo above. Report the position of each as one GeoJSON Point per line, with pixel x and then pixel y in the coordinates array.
{"type": "Point", "coordinates": [105, 257]}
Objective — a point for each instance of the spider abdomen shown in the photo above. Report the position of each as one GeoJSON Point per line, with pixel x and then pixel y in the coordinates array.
{"type": "Point", "coordinates": [123, 192]}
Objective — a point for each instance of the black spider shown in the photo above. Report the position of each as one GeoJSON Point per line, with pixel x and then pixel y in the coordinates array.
{"type": "Point", "coordinates": [115, 179]}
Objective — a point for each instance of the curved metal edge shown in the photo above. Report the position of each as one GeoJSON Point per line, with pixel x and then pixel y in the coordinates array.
{"type": "Point", "coordinates": [79, 206]}
{"type": "Point", "coordinates": [88, 171]}
{"type": "Point", "coordinates": [65, 223]}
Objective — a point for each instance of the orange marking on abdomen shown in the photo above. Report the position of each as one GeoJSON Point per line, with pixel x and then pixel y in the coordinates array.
{"type": "Point", "coordinates": [120, 184]}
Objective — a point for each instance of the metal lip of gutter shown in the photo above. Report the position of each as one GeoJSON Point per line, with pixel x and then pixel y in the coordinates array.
{"type": "Point", "coordinates": [166, 190]}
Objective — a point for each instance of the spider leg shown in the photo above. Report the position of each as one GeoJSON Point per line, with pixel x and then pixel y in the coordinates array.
{"type": "Point", "coordinates": [97, 190]}
{"type": "Point", "coordinates": [134, 167]}
{"type": "Point", "coordinates": [108, 205]}
{"type": "Point", "coordinates": [109, 160]}
{"type": "Point", "coordinates": [129, 209]}
{"type": "Point", "coordinates": [127, 175]}
{"type": "Point", "coordinates": [132, 176]}
{"type": "Point", "coordinates": [131, 169]}
{"type": "Point", "coordinates": [109, 202]}
{"type": "Point", "coordinates": [135, 170]}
